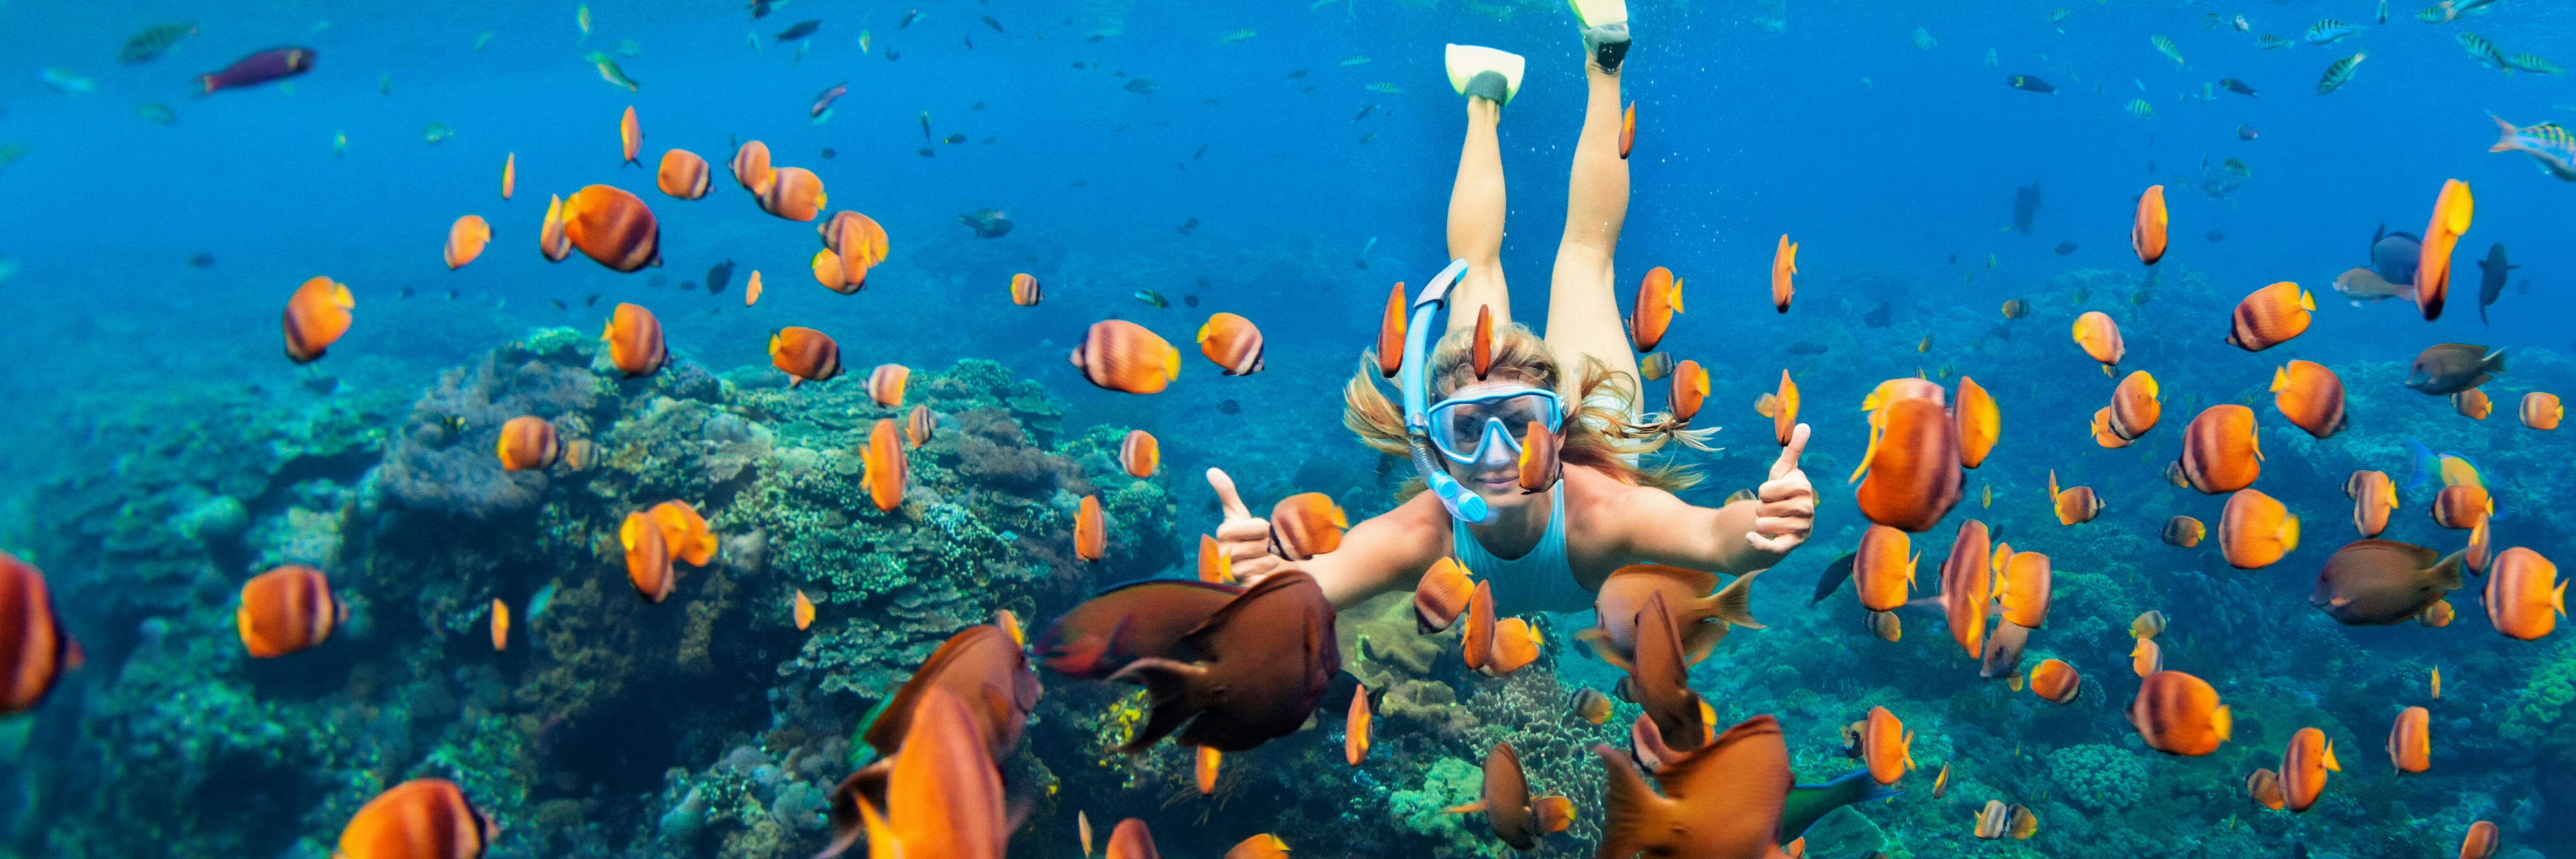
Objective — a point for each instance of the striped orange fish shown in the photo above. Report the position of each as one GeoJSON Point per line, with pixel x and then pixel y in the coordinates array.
{"type": "Point", "coordinates": [2179, 714]}
{"type": "Point", "coordinates": [2264, 787]}
{"type": "Point", "coordinates": [832, 274]}
{"type": "Point", "coordinates": [2146, 657]}
{"type": "Point", "coordinates": [2523, 596]}
{"type": "Point", "coordinates": [2055, 681]}
{"type": "Point", "coordinates": [683, 175]}
{"type": "Point", "coordinates": [2147, 229]}
{"type": "Point", "coordinates": [920, 425]}
{"type": "Point", "coordinates": [319, 312]}
{"type": "Point", "coordinates": [1967, 585]}
{"type": "Point", "coordinates": [794, 193]}
{"type": "Point", "coordinates": [886, 384]}
{"type": "Point", "coordinates": [2451, 214]}
{"type": "Point", "coordinates": [634, 339]}
{"type": "Point", "coordinates": [1213, 563]}
{"type": "Point", "coordinates": [551, 240]}
{"type": "Point", "coordinates": [648, 558]}
{"type": "Point", "coordinates": [2102, 432]}
{"type": "Point", "coordinates": [500, 626]}
{"type": "Point", "coordinates": [1781, 406]}
{"type": "Point", "coordinates": [529, 442]}
{"type": "Point", "coordinates": [2135, 407]}
{"type": "Point", "coordinates": [1627, 131]}
{"type": "Point", "coordinates": [751, 166]}
{"type": "Point", "coordinates": [2255, 530]}
{"type": "Point", "coordinates": [857, 243]}
{"type": "Point", "coordinates": [806, 354]}
{"type": "Point", "coordinates": [2270, 316]}
{"type": "Point", "coordinates": [465, 240]}
{"type": "Point", "coordinates": [1912, 468]}
{"type": "Point", "coordinates": [612, 227]}
{"type": "Point", "coordinates": [1784, 268]}
{"type": "Point", "coordinates": [2219, 453]}
{"type": "Point", "coordinates": [419, 819]}
{"type": "Point", "coordinates": [1980, 423]}
{"type": "Point", "coordinates": [2304, 765]}
{"type": "Point", "coordinates": [1690, 388]}
{"type": "Point", "coordinates": [1390, 333]}
{"type": "Point", "coordinates": [887, 471]}
{"type": "Point", "coordinates": [2462, 506]}
{"type": "Point", "coordinates": [630, 136]}
{"type": "Point", "coordinates": [1233, 343]}
{"type": "Point", "coordinates": [1090, 533]}
{"type": "Point", "coordinates": [1440, 596]}
{"type": "Point", "coordinates": [1886, 746]}
{"type": "Point", "coordinates": [2373, 496]}
{"type": "Point", "coordinates": [2184, 531]}
{"type": "Point", "coordinates": [2541, 410]}
{"type": "Point", "coordinates": [1659, 296]}
{"type": "Point", "coordinates": [2410, 740]}
{"type": "Point", "coordinates": [2310, 396]}
{"type": "Point", "coordinates": [1139, 454]}
{"type": "Point", "coordinates": [2481, 841]}
{"type": "Point", "coordinates": [2073, 506]}
{"type": "Point", "coordinates": [2099, 337]}
{"type": "Point", "coordinates": [1025, 291]}
{"type": "Point", "coordinates": [684, 533]}
{"type": "Point", "coordinates": [1542, 459]}
{"type": "Point", "coordinates": [1480, 348]}
{"type": "Point", "coordinates": [287, 609]}
{"type": "Point", "coordinates": [2028, 583]}
{"type": "Point", "coordinates": [1495, 647]}
{"type": "Point", "coordinates": [1305, 525]}
{"type": "Point", "coordinates": [2473, 404]}
{"type": "Point", "coordinates": [1122, 356]}
{"type": "Point", "coordinates": [1883, 568]}
{"type": "Point", "coordinates": [1355, 746]}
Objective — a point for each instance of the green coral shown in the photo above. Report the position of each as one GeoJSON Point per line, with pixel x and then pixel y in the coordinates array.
{"type": "Point", "coordinates": [2100, 777]}
{"type": "Point", "coordinates": [1447, 783]}
{"type": "Point", "coordinates": [2539, 715]}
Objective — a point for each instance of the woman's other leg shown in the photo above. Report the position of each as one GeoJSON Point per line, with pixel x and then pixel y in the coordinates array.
{"type": "Point", "coordinates": [1476, 201]}
{"type": "Point", "coordinates": [1582, 308]}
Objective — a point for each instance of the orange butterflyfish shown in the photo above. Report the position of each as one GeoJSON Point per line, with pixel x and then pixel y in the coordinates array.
{"type": "Point", "coordinates": [794, 193]}
{"type": "Point", "coordinates": [2003, 555]}
{"type": "Point", "coordinates": [500, 625]}
{"type": "Point", "coordinates": [1139, 454]}
{"type": "Point", "coordinates": [887, 471]}
{"type": "Point", "coordinates": [419, 819]}
{"type": "Point", "coordinates": [1232, 342]}
{"type": "Point", "coordinates": [1476, 630]}
{"type": "Point", "coordinates": [1215, 566]}
{"type": "Point", "coordinates": [684, 533]}
{"type": "Point", "coordinates": [1782, 408]}
{"type": "Point", "coordinates": [1690, 389]}
{"type": "Point", "coordinates": [751, 166]}
{"type": "Point", "coordinates": [2451, 215]}
{"type": "Point", "coordinates": [2462, 506]}
{"type": "Point", "coordinates": [858, 239]}
{"type": "Point", "coordinates": [2304, 765]}
{"type": "Point", "coordinates": [2146, 657]}
{"type": "Point", "coordinates": [1090, 532]}
{"type": "Point", "coordinates": [2135, 407]}
{"type": "Point", "coordinates": [1514, 644]}
{"type": "Point", "coordinates": [942, 794]}
{"type": "Point", "coordinates": [751, 289]}
{"type": "Point", "coordinates": [1024, 290]}
{"type": "Point", "coordinates": [1991, 820]}
{"type": "Point", "coordinates": [1967, 585]}
{"type": "Point", "coordinates": [2310, 396]}
{"type": "Point", "coordinates": [2184, 531]}
{"type": "Point", "coordinates": [2074, 506]}
{"type": "Point", "coordinates": [630, 135]}
{"type": "Point", "coordinates": [1590, 705]}
{"type": "Point", "coordinates": [509, 175]}
{"type": "Point", "coordinates": [2179, 714]}
{"type": "Point", "coordinates": [1441, 596]}
{"type": "Point", "coordinates": [465, 240]}
{"type": "Point", "coordinates": [1627, 131]}
{"type": "Point", "coordinates": [2255, 530]}
{"type": "Point", "coordinates": [1784, 268]}
{"type": "Point", "coordinates": [529, 442]}
{"type": "Point", "coordinates": [2541, 410]}
{"type": "Point", "coordinates": [886, 383]}
{"type": "Point", "coordinates": [2481, 841]}
{"type": "Point", "coordinates": [1883, 568]}
{"type": "Point", "coordinates": [1480, 349]}
{"type": "Point", "coordinates": [2219, 452]}
{"type": "Point", "coordinates": [2100, 338]}
{"type": "Point", "coordinates": [316, 315]}
{"type": "Point", "coordinates": [648, 557]}
{"type": "Point", "coordinates": [2148, 624]}
{"type": "Point", "coordinates": [551, 240]}
{"type": "Point", "coordinates": [1659, 296]}
{"type": "Point", "coordinates": [2523, 594]}
{"type": "Point", "coordinates": [1208, 764]}
{"type": "Point", "coordinates": [1355, 727]}
{"type": "Point", "coordinates": [920, 425]}
{"type": "Point", "coordinates": [2025, 823]}
{"type": "Point", "coordinates": [1390, 333]}
{"type": "Point", "coordinates": [287, 609]}
{"type": "Point", "coordinates": [803, 610]}
{"type": "Point", "coordinates": [2147, 230]}
{"type": "Point", "coordinates": [1305, 525]}
{"type": "Point", "coordinates": [1541, 465]}
{"type": "Point", "coordinates": [612, 227]}
{"type": "Point", "coordinates": [2373, 496]}
{"type": "Point", "coordinates": [2473, 404]}
{"type": "Point", "coordinates": [806, 354]}
{"type": "Point", "coordinates": [2439, 614]}
{"type": "Point", "coordinates": [2055, 681]}
{"type": "Point", "coordinates": [2102, 432]}
{"type": "Point", "coordinates": [683, 175]}
{"type": "Point", "coordinates": [2264, 787]}
{"type": "Point", "coordinates": [2028, 584]}
{"type": "Point", "coordinates": [1913, 476]}
{"type": "Point", "coordinates": [2270, 316]}
{"type": "Point", "coordinates": [2410, 741]}
{"type": "Point", "coordinates": [634, 339]}
{"type": "Point", "coordinates": [1886, 746]}
{"type": "Point", "coordinates": [1082, 826]}
{"type": "Point", "coordinates": [829, 272]}
{"type": "Point", "coordinates": [1262, 846]}
{"type": "Point", "coordinates": [1980, 423]}
{"type": "Point", "coordinates": [1122, 356]}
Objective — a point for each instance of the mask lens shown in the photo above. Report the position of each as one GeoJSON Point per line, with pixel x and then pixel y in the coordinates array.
{"type": "Point", "coordinates": [1460, 426]}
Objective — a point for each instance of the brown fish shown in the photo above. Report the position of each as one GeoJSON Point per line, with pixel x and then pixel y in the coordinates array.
{"type": "Point", "coordinates": [2219, 452]}
{"type": "Point", "coordinates": [2374, 582]}
{"type": "Point", "coordinates": [1505, 799]}
{"type": "Point", "coordinates": [2311, 397]}
{"type": "Point", "coordinates": [2373, 496]}
{"type": "Point", "coordinates": [1140, 619]}
{"type": "Point", "coordinates": [2179, 714]}
{"type": "Point", "coordinates": [1659, 681]}
{"type": "Point", "coordinates": [2443, 369]}
{"type": "Point", "coordinates": [986, 670]}
{"type": "Point", "coordinates": [1721, 801]}
{"type": "Point", "coordinates": [287, 609]}
{"type": "Point", "coordinates": [1264, 661]}
{"type": "Point", "coordinates": [1703, 618]}
{"type": "Point", "coordinates": [2002, 658]}
{"type": "Point", "coordinates": [419, 819]}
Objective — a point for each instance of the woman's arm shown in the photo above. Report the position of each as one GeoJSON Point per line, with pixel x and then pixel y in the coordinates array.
{"type": "Point", "coordinates": [1658, 528]}
{"type": "Point", "coordinates": [1382, 555]}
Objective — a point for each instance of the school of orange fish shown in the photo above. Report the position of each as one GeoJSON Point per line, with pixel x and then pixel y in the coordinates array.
{"type": "Point", "coordinates": [1230, 665]}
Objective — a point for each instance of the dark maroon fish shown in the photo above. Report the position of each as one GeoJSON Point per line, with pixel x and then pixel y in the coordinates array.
{"type": "Point", "coordinates": [269, 65]}
{"type": "Point", "coordinates": [1265, 660]}
{"type": "Point", "coordinates": [824, 102]}
{"type": "Point", "coordinates": [1130, 622]}
{"type": "Point", "coordinates": [1659, 679]}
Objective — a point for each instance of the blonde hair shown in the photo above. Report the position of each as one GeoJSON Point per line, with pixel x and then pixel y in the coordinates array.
{"type": "Point", "coordinates": [1597, 433]}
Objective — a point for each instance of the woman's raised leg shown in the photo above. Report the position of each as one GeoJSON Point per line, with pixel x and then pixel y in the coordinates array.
{"type": "Point", "coordinates": [1582, 307]}
{"type": "Point", "coordinates": [1488, 78]}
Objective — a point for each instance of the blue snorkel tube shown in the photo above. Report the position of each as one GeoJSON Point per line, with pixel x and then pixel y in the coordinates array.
{"type": "Point", "coordinates": [1463, 505]}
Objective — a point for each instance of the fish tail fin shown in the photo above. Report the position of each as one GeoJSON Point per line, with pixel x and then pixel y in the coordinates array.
{"type": "Point", "coordinates": [2558, 598]}
{"type": "Point", "coordinates": [1734, 603]}
{"type": "Point", "coordinates": [1629, 808]}
{"type": "Point", "coordinates": [2446, 572]}
{"type": "Point", "coordinates": [1168, 683]}
{"type": "Point", "coordinates": [1555, 813]}
{"type": "Point", "coordinates": [2223, 722]}
{"type": "Point", "coordinates": [2493, 362]}
{"type": "Point", "coordinates": [2289, 532]}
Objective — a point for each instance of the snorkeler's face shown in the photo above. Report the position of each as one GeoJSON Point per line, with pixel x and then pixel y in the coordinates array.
{"type": "Point", "coordinates": [1495, 475]}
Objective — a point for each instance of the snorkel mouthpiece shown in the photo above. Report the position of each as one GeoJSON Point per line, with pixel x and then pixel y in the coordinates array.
{"type": "Point", "coordinates": [1415, 384]}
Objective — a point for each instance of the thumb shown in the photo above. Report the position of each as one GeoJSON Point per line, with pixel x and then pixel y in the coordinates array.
{"type": "Point", "coordinates": [1226, 496]}
{"type": "Point", "coordinates": [1788, 460]}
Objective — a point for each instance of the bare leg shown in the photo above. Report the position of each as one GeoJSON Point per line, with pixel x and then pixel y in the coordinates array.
{"type": "Point", "coordinates": [1582, 310]}
{"type": "Point", "coordinates": [1476, 205]}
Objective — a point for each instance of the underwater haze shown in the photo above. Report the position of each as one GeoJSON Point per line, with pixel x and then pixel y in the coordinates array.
{"type": "Point", "coordinates": [470, 560]}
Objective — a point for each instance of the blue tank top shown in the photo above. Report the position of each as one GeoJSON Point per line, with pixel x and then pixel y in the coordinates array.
{"type": "Point", "coordinates": [1539, 581]}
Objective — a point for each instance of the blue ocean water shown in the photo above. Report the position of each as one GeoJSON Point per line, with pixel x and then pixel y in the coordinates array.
{"type": "Point", "coordinates": [1239, 182]}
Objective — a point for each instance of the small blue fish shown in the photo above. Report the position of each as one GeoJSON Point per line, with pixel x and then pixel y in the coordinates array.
{"type": "Point", "coordinates": [2329, 31]}
{"type": "Point", "coordinates": [2485, 52]}
{"type": "Point", "coordinates": [2547, 143]}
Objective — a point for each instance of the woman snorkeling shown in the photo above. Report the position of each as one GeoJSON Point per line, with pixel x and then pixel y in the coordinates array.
{"type": "Point", "coordinates": [1544, 550]}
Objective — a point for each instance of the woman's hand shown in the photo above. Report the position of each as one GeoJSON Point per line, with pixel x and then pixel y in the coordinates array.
{"type": "Point", "coordinates": [1243, 537]}
{"type": "Point", "coordinates": [1784, 511]}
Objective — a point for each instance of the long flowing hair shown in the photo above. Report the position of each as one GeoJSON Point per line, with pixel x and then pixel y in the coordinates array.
{"type": "Point", "coordinates": [1597, 433]}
